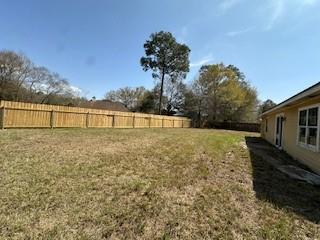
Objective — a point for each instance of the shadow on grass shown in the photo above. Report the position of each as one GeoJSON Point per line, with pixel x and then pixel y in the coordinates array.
{"type": "Point", "coordinates": [273, 186]}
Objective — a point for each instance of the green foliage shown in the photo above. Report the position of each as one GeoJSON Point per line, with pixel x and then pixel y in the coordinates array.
{"type": "Point", "coordinates": [148, 103]}
{"type": "Point", "coordinates": [266, 105]}
{"type": "Point", "coordinates": [240, 75]}
{"type": "Point", "coordinates": [221, 93]}
{"type": "Point", "coordinates": [165, 58]}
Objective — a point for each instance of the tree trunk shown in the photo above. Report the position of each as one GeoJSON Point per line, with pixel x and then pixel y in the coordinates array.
{"type": "Point", "coordinates": [214, 117]}
{"type": "Point", "coordinates": [199, 114]}
{"type": "Point", "coordinates": [161, 92]}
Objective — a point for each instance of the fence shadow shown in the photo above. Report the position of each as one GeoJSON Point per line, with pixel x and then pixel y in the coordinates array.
{"type": "Point", "coordinates": [273, 186]}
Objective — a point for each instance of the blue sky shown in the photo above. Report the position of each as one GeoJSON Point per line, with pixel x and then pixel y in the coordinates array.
{"type": "Point", "coordinates": [97, 44]}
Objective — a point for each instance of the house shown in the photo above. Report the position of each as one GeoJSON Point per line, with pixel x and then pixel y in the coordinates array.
{"type": "Point", "coordinates": [294, 126]}
{"type": "Point", "coordinates": [104, 105]}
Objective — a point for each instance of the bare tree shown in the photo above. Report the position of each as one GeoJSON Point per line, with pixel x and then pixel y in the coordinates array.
{"type": "Point", "coordinates": [21, 80]}
{"type": "Point", "coordinates": [18, 69]}
{"type": "Point", "coordinates": [129, 97]}
{"type": "Point", "coordinates": [53, 85]}
{"type": "Point", "coordinates": [174, 92]}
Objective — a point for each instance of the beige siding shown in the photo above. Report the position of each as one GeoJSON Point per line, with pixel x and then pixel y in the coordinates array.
{"type": "Point", "coordinates": [269, 135]}
{"type": "Point", "coordinates": [290, 131]}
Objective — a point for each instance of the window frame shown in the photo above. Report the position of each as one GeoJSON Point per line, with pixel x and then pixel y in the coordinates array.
{"type": "Point", "coordinates": [305, 144]}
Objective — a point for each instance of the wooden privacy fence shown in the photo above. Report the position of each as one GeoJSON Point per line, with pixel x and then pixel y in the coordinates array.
{"type": "Point", "coordinates": [29, 115]}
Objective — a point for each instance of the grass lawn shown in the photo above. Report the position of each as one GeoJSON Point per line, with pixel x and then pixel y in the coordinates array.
{"type": "Point", "coordinates": [147, 184]}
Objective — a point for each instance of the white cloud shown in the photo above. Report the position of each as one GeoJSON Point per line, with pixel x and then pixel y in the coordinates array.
{"type": "Point", "coordinates": [276, 9]}
{"type": "Point", "coordinates": [74, 90]}
{"type": "Point", "coordinates": [228, 4]}
{"type": "Point", "coordinates": [308, 2]}
{"type": "Point", "coordinates": [202, 61]}
{"type": "Point", "coordinates": [239, 32]}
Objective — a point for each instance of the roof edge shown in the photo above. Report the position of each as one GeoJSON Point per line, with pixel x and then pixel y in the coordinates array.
{"type": "Point", "coordinates": [314, 88]}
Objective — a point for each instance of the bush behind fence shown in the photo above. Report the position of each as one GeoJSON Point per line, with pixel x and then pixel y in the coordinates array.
{"type": "Point", "coordinates": [29, 115]}
{"type": "Point", "coordinates": [238, 126]}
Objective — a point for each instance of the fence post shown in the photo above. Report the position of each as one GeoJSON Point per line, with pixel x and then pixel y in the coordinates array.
{"type": "Point", "coordinates": [113, 121]}
{"type": "Point", "coordinates": [52, 119]}
{"type": "Point", "coordinates": [133, 120]}
{"type": "Point", "coordinates": [182, 123]}
{"type": "Point", "coordinates": [3, 112]}
{"type": "Point", "coordinates": [87, 119]}
{"type": "Point", "coordinates": [173, 123]}
{"type": "Point", "coordinates": [162, 123]}
{"type": "Point", "coordinates": [149, 122]}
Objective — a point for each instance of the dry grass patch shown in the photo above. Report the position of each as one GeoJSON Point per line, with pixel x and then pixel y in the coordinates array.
{"type": "Point", "coordinates": [137, 184]}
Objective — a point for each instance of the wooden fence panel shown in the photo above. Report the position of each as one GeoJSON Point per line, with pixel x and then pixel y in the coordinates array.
{"type": "Point", "coordinates": [73, 120]}
{"type": "Point", "coordinates": [167, 123]}
{"type": "Point", "coordinates": [100, 121]}
{"type": "Point", "coordinates": [178, 123]}
{"type": "Point", "coordinates": [156, 123]}
{"type": "Point", "coordinates": [187, 123]}
{"type": "Point", "coordinates": [26, 118]}
{"type": "Point", "coordinates": [24, 115]}
{"type": "Point", "coordinates": [142, 122]}
{"type": "Point", "coordinates": [123, 121]}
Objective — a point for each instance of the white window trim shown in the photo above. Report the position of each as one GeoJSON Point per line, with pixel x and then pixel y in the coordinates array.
{"type": "Point", "coordinates": [305, 145]}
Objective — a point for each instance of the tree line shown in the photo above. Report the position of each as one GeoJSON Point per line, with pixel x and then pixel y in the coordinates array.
{"type": "Point", "coordinates": [219, 92]}
{"type": "Point", "coordinates": [22, 80]}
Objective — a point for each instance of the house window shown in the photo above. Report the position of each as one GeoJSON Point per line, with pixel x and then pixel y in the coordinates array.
{"type": "Point", "coordinates": [308, 132]}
